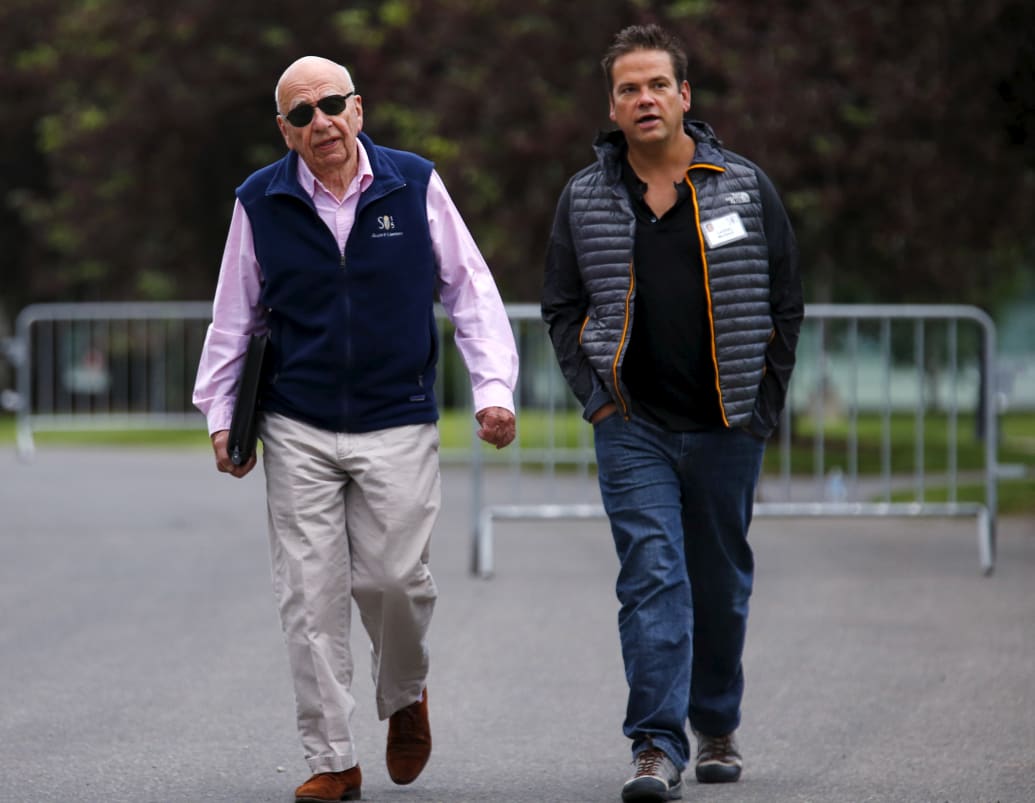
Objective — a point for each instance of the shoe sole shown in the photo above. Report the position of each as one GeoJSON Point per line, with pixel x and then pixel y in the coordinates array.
{"type": "Point", "coordinates": [351, 795]}
{"type": "Point", "coordinates": [717, 773]}
{"type": "Point", "coordinates": [408, 778]}
{"type": "Point", "coordinates": [650, 791]}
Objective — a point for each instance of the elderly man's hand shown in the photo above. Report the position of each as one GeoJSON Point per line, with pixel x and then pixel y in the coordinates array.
{"type": "Point", "coordinates": [223, 462]}
{"type": "Point", "coordinates": [497, 426]}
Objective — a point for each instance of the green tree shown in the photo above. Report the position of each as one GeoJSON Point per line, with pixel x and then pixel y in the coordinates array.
{"type": "Point", "coordinates": [899, 133]}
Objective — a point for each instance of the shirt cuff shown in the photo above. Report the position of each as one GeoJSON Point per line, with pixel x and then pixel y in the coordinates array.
{"type": "Point", "coordinates": [219, 416]}
{"type": "Point", "coordinates": [597, 399]}
{"type": "Point", "coordinates": [493, 394]}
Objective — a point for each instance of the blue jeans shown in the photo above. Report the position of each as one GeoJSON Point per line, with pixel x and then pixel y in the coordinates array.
{"type": "Point", "coordinates": [680, 504]}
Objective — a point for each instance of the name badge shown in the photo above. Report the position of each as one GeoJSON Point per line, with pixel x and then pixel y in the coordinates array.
{"type": "Point", "coordinates": [722, 230]}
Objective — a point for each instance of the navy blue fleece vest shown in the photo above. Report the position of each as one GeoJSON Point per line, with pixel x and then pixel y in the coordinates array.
{"type": "Point", "coordinates": [353, 341]}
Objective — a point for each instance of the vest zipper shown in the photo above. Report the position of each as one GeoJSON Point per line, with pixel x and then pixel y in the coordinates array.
{"type": "Point", "coordinates": [621, 343]}
{"type": "Point", "coordinates": [346, 392]}
{"type": "Point", "coordinates": [708, 296]}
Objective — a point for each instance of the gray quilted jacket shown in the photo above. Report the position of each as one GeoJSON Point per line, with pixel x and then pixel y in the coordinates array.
{"type": "Point", "coordinates": [755, 296]}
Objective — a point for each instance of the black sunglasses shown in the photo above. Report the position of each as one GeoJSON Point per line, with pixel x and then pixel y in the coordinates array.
{"type": "Point", "coordinates": [331, 105]}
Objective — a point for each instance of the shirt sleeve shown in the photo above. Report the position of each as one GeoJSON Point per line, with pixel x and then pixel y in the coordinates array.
{"type": "Point", "coordinates": [786, 302]}
{"type": "Point", "coordinates": [236, 315]}
{"type": "Point", "coordinates": [472, 301]}
{"type": "Point", "coordinates": [564, 303]}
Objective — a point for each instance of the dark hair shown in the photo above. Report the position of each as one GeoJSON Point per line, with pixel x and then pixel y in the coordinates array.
{"type": "Point", "coordinates": [644, 37]}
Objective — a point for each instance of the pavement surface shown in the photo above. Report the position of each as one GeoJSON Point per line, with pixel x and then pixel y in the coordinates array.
{"type": "Point", "coordinates": [141, 657]}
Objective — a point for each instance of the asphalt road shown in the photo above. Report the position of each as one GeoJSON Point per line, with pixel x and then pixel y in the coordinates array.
{"type": "Point", "coordinates": [141, 658]}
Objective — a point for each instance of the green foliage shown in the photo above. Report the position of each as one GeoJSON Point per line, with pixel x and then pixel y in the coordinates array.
{"type": "Point", "coordinates": [898, 132]}
{"type": "Point", "coordinates": [885, 137]}
{"type": "Point", "coordinates": [416, 125]}
{"type": "Point", "coordinates": [690, 9]}
{"type": "Point", "coordinates": [1013, 497]}
{"type": "Point", "coordinates": [900, 434]}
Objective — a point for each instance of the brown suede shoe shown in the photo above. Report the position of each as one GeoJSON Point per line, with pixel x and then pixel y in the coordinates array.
{"type": "Point", "coordinates": [330, 787]}
{"type": "Point", "coordinates": [409, 741]}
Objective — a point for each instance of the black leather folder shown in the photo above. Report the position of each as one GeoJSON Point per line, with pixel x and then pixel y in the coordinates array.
{"type": "Point", "coordinates": [245, 421]}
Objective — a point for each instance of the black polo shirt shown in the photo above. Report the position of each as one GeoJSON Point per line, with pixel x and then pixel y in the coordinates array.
{"type": "Point", "coordinates": [668, 367]}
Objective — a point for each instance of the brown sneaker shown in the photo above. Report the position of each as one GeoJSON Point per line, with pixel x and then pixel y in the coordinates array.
{"type": "Point", "coordinates": [409, 741]}
{"type": "Point", "coordinates": [330, 787]}
{"type": "Point", "coordinates": [718, 759]}
{"type": "Point", "coordinates": [656, 779]}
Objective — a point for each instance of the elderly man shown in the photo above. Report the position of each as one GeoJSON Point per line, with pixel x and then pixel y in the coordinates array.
{"type": "Point", "coordinates": [337, 250]}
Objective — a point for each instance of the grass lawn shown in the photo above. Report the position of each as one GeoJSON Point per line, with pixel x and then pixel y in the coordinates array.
{"type": "Point", "coordinates": [1017, 446]}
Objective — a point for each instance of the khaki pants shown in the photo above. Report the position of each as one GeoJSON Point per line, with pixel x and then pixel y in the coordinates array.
{"type": "Point", "coordinates": [350, 517]}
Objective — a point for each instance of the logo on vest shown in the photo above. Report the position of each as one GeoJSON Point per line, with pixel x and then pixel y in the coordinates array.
{"type": "Point", "coordinates": [385, 228]}
{"type": "Point", "coordinates": [737, 198]}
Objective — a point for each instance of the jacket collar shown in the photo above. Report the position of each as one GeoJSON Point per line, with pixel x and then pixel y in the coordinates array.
{"type": "Point", "coordinates": [284, 180]}
{"type": "Point", "coordinates": [610, 148]}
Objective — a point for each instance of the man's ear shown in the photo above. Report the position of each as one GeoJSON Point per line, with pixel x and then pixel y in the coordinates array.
{"type": "Point", "coordinates": [358, 101]}
{"type": "Point", "coordinates": [283, 131]}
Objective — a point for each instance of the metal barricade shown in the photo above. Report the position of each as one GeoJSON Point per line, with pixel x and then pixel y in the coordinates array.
{"type": "Point", "coordinates": [924, 367]}
{"type": "Point", "coordinates": [125, 365]}
{"type": "Point", "coordinates": [106, 366]}
{"type": "Point", "coordinates": [130, 365]}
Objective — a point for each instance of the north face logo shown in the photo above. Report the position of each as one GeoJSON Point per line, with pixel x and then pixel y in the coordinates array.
{"type": "Point", "coordinates": [736, 198]}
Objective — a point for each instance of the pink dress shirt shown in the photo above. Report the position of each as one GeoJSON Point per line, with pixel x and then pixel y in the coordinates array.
{"type": "Point", "coordinates": [466, 289]}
